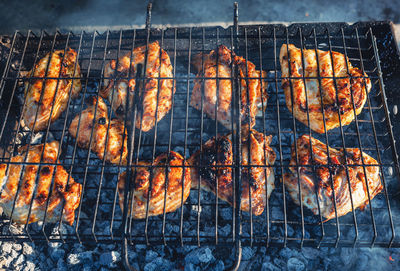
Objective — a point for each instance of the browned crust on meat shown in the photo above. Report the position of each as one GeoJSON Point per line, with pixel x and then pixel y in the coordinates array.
{"type": "Point", "coordinates": [352, 81]}
{"type": "Point", "coordinates": [255, 88]}
{"type": "Point", "coordinates": [173, 199]}
{"type": "Point", "coordinates": [320, 180]}
{"type": "Point", "coordinates": [120, 79]}
{"type": "Point", "coordinates": [218, 152]}
{"type": "Point", "coordinates": [95, 124]}
{"type": "Point", "coordinates": [56, 92]}
{"type": "Point", "coordinates": [11, 176]}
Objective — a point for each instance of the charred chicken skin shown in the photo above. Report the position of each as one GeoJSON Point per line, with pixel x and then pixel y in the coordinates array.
{"type": "Point", "coordinates": [94, 123]}
{"type": "Point", "coordinates": [320, 180]}
{"type": "Point", "coordinates": [121, 78]}
{"type": "Point", "coordinates": [335, 94]}
{"type": "Point", "coordinates": [253, 90]}
{"type": "Point", "coordinates": [218, 152]}
{"type": "Point", "coordinates": [154, 193]}
{"type": "Point", "coordinates": [55, 91]}
{"type": "Point", "coordinates": [31, 177]}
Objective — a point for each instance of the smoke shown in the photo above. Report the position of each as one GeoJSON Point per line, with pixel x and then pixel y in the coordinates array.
{"type": "Point", "coordinates": [25, 14]}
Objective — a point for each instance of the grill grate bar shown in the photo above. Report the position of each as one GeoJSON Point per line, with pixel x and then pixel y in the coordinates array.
{"type": "Point", "coordinates": [359, 142]}
{"type": "Point", "coordinates": [389, 127]}
{"type": "Point", "coordinates": [29, 144]}
{"type": "Point", "coordinates": [200, 143]}
{"type": "Point", "coordinates": [59, 148]}
{"type": "Point", "coordinates": [296, 148]}
{"type": "Point", "coordinates": [205, 219]}
{"type": "Point", "coordinates": [263, 107]}
{"type": "Point", "coordinates": [169, 141]}
{"type": "Point", "coordinates": [185, 136]}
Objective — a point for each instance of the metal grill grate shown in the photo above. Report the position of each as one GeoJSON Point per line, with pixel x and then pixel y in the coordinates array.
{"type": "Point", "coordinates": [204, 219]}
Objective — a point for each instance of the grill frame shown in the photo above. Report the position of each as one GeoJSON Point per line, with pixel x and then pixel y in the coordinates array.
{"type": "Point", "coordinates": [381, 44]}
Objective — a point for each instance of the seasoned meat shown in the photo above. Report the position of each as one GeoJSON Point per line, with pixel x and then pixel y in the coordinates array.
{"type": "Point", "coordinates": [56, 91]}
{"type": "Point", "coordinates": [94, 123]}
{"type": "Point", "coordinates": [335, 94]}
{"type": "Point", "coordinates": [27, 177]}
{"type": "Point", "coordinates": [157, 177]}
{"type": "Point", "coordinates": [218, 152]}
{"type": "Point", "coordinates": [319, 181]}
{"type": "Point", "coordinates": [116, 81]}
{"type": "Point", "coordinates": [250, 85]}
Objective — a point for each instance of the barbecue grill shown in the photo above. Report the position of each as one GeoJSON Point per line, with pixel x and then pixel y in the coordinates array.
{"type": "Point", "coordinates": [204, 219]}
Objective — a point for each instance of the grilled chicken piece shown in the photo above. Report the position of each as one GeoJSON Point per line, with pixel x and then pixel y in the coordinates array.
{"type": "Point", "coordinates": [352, 80]}
{"type": "Point", "coordinates": [97, 120]}
{"type": "Point", "coordinates": [55, 92]}
{"type": "Point", "coordinates": [173, 199]}
{"type": "Point", "coordinates": [116, 81]}
{"type": "Point", "coordinates": [28, 179]}
{"type": "Point", "coordinates": [218, 152]}
{"type": "Point", "coordinates": [319, 181]}
{"type": "Point", "coordinates": [256, 89]}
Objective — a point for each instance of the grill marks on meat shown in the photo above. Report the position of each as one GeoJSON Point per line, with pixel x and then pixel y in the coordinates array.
{"type": "Point", "coordinates": [177, 177]}
{"type": "Point", "coordinates": [29, 178]}
{"type": "Point", "coordinates": [255, 88]}
{"type": "Point", "coordinates": [352, 81]}
{"type": "Point", "coordinates": [95, 122]}
{"type": "Point", "coordinates": [55, 92]}
{"type": "Point", "coordinates": [214, 167]}
{"type": "Point", "coordinates": [320, 179]}
{"type": "Point", "coordinates": [122, 80]}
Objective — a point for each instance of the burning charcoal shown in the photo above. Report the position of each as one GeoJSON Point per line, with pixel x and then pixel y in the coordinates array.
{"type": "Point", "coordinates": [191, 267]}
{"type": "Point", "coordinates": [28, 249]}
{"type": "Point", "coordinates": [73, 259]}
{"type": "Point", "coordinates": [19, 260]}
{"type": "Point", "coordinates": [199, 255]}
{"type": "Point", "coordinates": [82, 257]}
{"type": "Point", "coordinates": [294, 264]}
{"type": "Point", "coordinates": [151, 255]}
{"type": "Point", "coordinates": [54, 245]}
{"type": "Point", "coordinates": [225, 230]}
{"type": "Point", "coordinates": [14, 254]}
{"type": "Point", "coordinates": [158, 264]}
{"type": "Point", "coordinates": [196, 208]}
{"type": "Point", "coordinates": [310, 253]}
{"type": "Point", "coordinates": [276, 212]}
{"type": "Point", "coordinates": [56, 253]}
{"type": "Point", "coordinates": [290, 230]}
{"type": "Point", "coordinates": [298, 234]}
{"type": "Point", "coordinates": [266, 266]}
{"type": "Point", "coordinates": [219, 266]}
{"type": "Point", "coordinates": [362, 261]}
{"type": "Point", "coordinates": [6, 248]}
{"type": "Point", "coordinates": [30, 266]}
{"type": "Point", "coordinates": [140, 247]}
{"type": "Point", "coordinates": [110, 259]}
{"type": "Point", "coordinates": [17, 247]}
{"type": "Point", "coordinates": [247, 253]}
{"type": "Point", "coordinates": [61, 265]}
{"type": "Point", "coordinates": [6, 261]}
{"type": "Point", "coordinates": [279, 262]}
{"type": "Point", "coordinates": [286, 252]}
{"type": "Point", "coordinates": [16, 229]}
{"type": "Point", "coordinates": [226, 213]}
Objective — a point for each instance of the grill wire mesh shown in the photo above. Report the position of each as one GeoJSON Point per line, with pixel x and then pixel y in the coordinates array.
{"type": "Point", "coordinates": [203, 219]}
